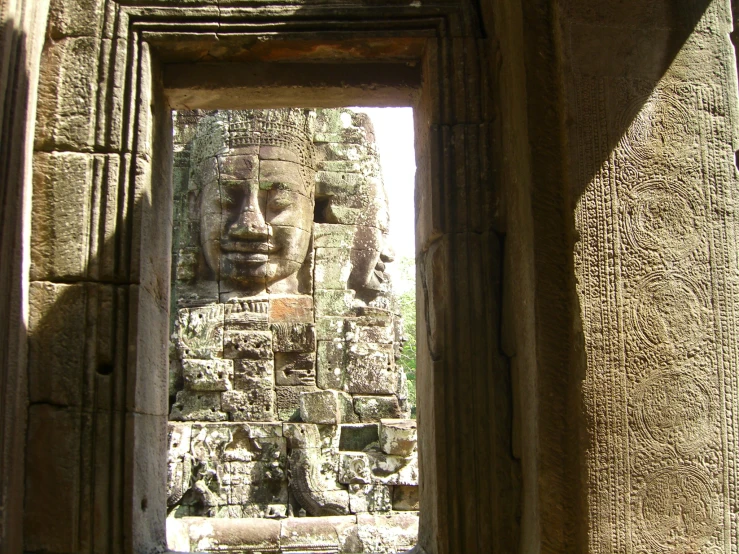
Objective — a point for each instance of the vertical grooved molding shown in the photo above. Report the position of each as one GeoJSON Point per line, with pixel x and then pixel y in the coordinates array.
{"type": "Point", "coordinates": [21, 38]}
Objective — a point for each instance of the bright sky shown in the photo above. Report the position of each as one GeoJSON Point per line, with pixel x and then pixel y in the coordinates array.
{"type": "Point", "coordinates": [394, 135]}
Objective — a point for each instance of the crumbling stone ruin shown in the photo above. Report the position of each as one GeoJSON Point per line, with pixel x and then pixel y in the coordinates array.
{"type": "Point", "coordinates": [287, 400]}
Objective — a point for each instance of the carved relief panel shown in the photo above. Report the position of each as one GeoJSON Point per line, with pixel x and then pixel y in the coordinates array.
{"type": "Point", "coordinates": [656, 272]}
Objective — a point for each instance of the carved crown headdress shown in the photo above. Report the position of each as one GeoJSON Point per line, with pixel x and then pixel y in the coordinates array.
{"type": "Point", "coordinates": [286, 127]}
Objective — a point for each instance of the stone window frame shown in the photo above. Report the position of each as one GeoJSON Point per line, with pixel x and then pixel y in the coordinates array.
{"type": "Point", "coordinates": [159, 55]}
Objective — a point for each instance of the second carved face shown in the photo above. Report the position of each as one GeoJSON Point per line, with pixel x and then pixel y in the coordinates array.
{"type": "Point", "coordinates": [256, 219]}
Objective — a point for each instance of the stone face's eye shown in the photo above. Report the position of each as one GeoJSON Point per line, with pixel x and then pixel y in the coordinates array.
{"type": "Point", "coordinates": [231, 197]}
{"type": "Point", "coordinates": [278, 201]}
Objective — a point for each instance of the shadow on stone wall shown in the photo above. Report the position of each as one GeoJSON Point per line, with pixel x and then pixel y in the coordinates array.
{"type": "Point", "coordinates": [638, 96]}
{"type": "Point", "coordinates": [91, 415]}
{"type": "Point", "coordinates": [16, 96]}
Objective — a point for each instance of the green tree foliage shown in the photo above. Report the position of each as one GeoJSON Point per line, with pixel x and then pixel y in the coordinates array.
{"type": "Point", "coordinates": [407, 304]}
{"type": "Point", "coordinates": [407, 307]}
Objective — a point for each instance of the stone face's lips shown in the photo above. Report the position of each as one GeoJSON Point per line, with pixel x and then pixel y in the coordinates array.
{"type": "Point", "coordinates": [248, 251]}
{"type": "Point", "coordinates": [248, 256]}
{"type": "Point", "coordinates": [248, 247]}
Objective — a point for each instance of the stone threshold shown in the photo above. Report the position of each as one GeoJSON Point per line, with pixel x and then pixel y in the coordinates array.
{"type": "Point", "coordinates": [355, 534]}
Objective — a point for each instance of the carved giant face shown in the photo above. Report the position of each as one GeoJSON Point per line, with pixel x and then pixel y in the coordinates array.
{"type": "Point", "coordinates": [371, 250]}
{"type": "Point", "coordinates": [256, 219]}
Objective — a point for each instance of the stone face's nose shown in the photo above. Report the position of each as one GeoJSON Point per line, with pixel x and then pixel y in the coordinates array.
{"type": "Point", "coordinates": [388, 254]}
{"type": "Point", "coordinates": [250, 223]}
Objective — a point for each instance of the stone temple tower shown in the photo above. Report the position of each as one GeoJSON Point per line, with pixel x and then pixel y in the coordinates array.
{"type": "Point", "coordinates": [286, 398]}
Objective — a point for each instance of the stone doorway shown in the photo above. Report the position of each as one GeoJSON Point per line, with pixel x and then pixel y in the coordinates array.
{"type": "Point", "coordinates": [155, 58]}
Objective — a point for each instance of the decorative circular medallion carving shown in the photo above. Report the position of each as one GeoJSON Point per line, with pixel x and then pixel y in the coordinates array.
{"type": "Point", "coordinates": [628, 173]}
{"type": "Point", "coordinates": [668, 311]}
{"type": "Point", "coordinates": [677, 509]}
{"type": "Point", "coordinates": [663, 218]}
{"type": "Point", "coordinates": [654, 124]}
{"type": "Point", "coordinates": [675, 408]}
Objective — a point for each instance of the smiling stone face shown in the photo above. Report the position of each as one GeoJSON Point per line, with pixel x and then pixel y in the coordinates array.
{"type": "Point", "coordinates": [256, 218]}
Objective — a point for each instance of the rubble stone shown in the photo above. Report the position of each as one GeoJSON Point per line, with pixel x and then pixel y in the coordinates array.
{"type": "Point", "coordinates": [301, 435]}
{"type": "Point", "coordinates": [246, 314]}
{"type": "Point", "coordinates": [293, 337]}
{"type": "Point", "coordinates": [334, 303]}
{"type": "Point", "coordinates": [331, 534]}
{"type": "Point", "coordinates": [199, 332]}
{"type": "Point", "coordinates": [405, 498]}
{"type": "Point", "coordinates": [375, 408]}
{"type": "Point", "coordinates": [295, 368]}
{"type": "Point", "coordinates": [330, 328]}
{"type": "Point", "coordinates": [370, 498]}
{"type": "Point", "coordinates": [398, 436]}
{"type": "Point", "coordinates": [248, 372]}
{"type": "Point", "coordinates": [393, 470]}
{"type": "Point", "coordinates": [354, 467]}
{"type": "Point", "coordinates": [370, 369]}
{"type": "Point", "coordinates": [256, 403]}
{"type": "Point", "coordinates": [288, 401]}
{"type": "Point", "coordinates": [325, 407]}
{"type": "Point", "coordinates": [292, 309]}
{"type": "Point", "coordinates": [208, 375]}
{"type": "Point", "coordinates": [247, 344]}
{"type": "Point", "coordinates": [387, 533]}
{"type": "Point", "coordinates": [358, 437]}
{"type": "Point", "coordinates": [197, 406]}
{"type": "Point", "coordinates": [179, 463]}
{"type": "Point", "coordinates": [331, 364]}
